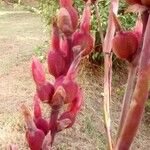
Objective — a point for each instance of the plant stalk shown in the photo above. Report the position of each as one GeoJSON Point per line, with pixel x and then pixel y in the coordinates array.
{"type": "Point", "coordinates": [134, 115]}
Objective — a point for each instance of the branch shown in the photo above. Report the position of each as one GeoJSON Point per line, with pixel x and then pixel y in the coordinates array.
{"type": "Point", "coordinates": [108, 68]}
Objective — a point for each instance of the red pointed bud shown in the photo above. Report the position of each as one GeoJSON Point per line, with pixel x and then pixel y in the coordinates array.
{"type": "Point", "coordinates": [64, 22]}
{"type": "Point", "coordinates": [56, 64]}
{"type": "Point", "coordinates": [86, 19]}
{"type": "Point", "coordinates": [55, 36]}
{"type": "Point", "coordinates": [85, 40]}
{"type": "Point", "coordinates": [38, 72]}
{"type": "Point", "coordinates": [74, 17]}
{"type": "Point", "coordinates": [34, 136]}
{"type": "Point", "coordinates": [40, 122]}
{"type": "Point", "coordinates": [37, 107]}
{"type": "Point", "coordinates": [45, 92]}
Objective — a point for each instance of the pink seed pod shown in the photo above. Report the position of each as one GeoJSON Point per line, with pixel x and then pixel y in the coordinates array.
{"type": "Point", "coordinates": [86, 19]}
{"type": "Point", "coordinates": [40, 122]}
{"type": "Point", "coordinates": [85, 40]}
{"type": "Point", "coordinates": [38, 72]}
{"type": "Point", "coordinates": [64, 22]}
{"type": "Point", "coordinates": [34, 135]}
{"type": "Point", "coordinates": [45, 92]}
{"type": "Point", "coordinates": [56, 64]}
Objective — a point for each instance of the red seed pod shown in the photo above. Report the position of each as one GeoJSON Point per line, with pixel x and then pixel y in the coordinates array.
{"type": "Point", "coordinates": [125, 44]}
{"type": "Point", "coordinates": [85, 40]}
{"type": "Point", "coordinates": [38, 72]}
{"type": "Point", "coordinates": [34, 135]}
{"type": "Point", "coordinates": [40, 122]}
{"type": "Point", "coordinates": [65, 22]}
{"type": "Point", "coordinates": [86, 19]}
{"type": "Point", "coordinates": [146, 2]}
{"type": "Point", "coordinates": [74, 16]}
{"type": "Point", "coordinates": [56, 64]}
{"type": "Point", "coordinates": [45, 92]}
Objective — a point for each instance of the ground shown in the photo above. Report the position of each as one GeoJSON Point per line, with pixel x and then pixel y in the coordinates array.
{"type": "Point", "coordinates": [20, 33]}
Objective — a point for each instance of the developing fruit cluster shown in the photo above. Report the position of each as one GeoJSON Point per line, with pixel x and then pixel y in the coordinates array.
{"type": "Point", "coordinates": [68, 45]}
{"type": "Point", "coordinates": [126, 43]}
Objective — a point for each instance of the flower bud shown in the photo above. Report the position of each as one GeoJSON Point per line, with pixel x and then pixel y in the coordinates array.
{"type": "Point", "coordinates": [45, 92]}
{"type": "Point", "coordinates": [38, 72]}
{"type": "Point", "coordinates": [56, 64]}
{"type": "Point", "coordinates": [64, 21]}
{"type": "Point", "coordinates": [34, 135]}
{"type": "Point", "coordinates": [40, 122]}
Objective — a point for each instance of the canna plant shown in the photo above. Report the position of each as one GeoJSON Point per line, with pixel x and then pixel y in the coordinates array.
{"type": "Point", "coordinates": [69, 44]}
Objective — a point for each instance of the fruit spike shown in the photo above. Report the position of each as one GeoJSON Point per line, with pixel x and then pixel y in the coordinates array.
{"type": "Point", "coordinates": [86, 18]}
{"type": "Point", "coordinates": [34, 135]}
{"type": "Point", "coordinates": [65, 22]}
{"type": "Point", "coordinates": [40, 122]}
{"type": "Point", "coordinates": [38, 72]}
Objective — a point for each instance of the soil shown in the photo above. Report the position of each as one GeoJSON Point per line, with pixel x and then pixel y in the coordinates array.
{"type": "Point", "coordinates": [20, 33]}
